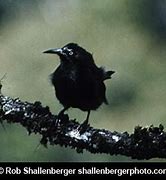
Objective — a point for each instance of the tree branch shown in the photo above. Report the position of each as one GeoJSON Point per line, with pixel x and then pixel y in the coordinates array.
{"type": "Point", "coordinates": [144, 143]}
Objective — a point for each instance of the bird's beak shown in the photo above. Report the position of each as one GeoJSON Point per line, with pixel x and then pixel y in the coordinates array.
{"type": "Point", "coordinates": [57, 51]}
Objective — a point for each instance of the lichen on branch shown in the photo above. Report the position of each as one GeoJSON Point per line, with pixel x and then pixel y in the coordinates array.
{"type": "Point", "coordinates": [143, 143]}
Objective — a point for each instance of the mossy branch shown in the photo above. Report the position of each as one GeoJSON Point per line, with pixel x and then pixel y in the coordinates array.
{"type": "Point", "coordinates": [143, 143]}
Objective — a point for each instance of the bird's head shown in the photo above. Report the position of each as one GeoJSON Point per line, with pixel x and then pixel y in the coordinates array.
{"type": "Point", "coordinates": [71, 52]}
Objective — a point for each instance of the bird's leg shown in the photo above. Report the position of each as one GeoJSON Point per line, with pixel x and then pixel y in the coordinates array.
{"type": "Point", "coordinates": [61, 113]}
{"type": "Point", "coordinates": [87, 118]}
{"type": "Point", "coordinates": [85, 124]}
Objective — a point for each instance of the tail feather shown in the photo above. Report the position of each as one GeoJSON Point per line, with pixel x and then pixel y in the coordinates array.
{"type": "Point", "coordinates": [107, 74]}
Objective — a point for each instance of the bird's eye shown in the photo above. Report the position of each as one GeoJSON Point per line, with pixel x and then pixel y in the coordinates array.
{"type": "Point", "coordinates": [71, 53]}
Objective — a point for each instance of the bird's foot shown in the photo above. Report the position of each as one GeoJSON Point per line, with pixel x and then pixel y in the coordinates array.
{"type": "Point", "coordinates": [83, 127]}
{"type": "Point", "coordinates": [63, 117]}
{"type": "Point", "coordinates": [61, 113]}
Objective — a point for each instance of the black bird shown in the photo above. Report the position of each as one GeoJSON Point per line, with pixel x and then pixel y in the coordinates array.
{"type": "Point", "coordinates": [78, 82]}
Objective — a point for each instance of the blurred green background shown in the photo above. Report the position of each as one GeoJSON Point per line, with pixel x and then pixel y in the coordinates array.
{"type": "Point", "coordinates": [127, 36]}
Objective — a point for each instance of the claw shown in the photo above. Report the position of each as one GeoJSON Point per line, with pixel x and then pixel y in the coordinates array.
{"type": "Point", "coordinates": [83, 127]}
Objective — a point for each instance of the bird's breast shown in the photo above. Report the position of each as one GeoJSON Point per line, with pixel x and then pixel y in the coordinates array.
{"type": "Point", "coordinates": [78, 89]}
